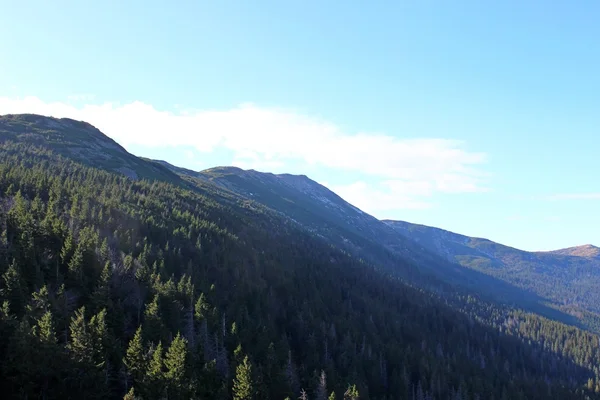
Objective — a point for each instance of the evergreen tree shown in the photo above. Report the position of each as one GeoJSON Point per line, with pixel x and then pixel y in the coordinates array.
{"type": "Point", "coordinates": [176, 365]}
{"type": "Point", "coordinates": [47, 354]}
{"type": "Point", "coordinates": [351, 393]}
{"type": "Point", "coordinates": [12, 289]}
{"type": "Point", "coordinates": [135, 359]}
{"type": "Point", "coordinates": [81, 345]}
{"type": "Point", "coordinates": [154, 328]}
{"type": "Point", "coordinates": [155, 375]}
{"type": "Point", "coordinates": [243, 385]}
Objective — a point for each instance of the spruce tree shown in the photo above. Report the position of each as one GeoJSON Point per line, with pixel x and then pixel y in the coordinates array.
{"type": "Point", "coordinates": [135, 359]}
{"type": "Point", "coordinates": [176, 368]}
{"type": "Point", "coordinates": [155, 375]}
{"type": "Point", "coordinates": [351, 393]}
{"type": "Point", "coordinates": [243, 385]}
{"type": "Point", "coordinates": [80, 346]}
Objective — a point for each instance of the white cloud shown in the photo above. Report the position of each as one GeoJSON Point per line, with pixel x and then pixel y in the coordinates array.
{"type": "Point", "coordinates": [400, 171]}
{"type": "Point", "coordinates": [377, 198]}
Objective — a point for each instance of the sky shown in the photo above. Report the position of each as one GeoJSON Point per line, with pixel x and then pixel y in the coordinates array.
{"type": "Point", "coordinates": [478, 117]}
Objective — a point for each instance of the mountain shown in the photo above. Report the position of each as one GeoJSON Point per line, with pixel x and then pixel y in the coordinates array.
{"type": "Point", "coordinates": [569, 279]}
{"type": "Point", "coordinates": [113, 287]}
{"type": "Point", "coordinates": [320, 212]}
{"type": "Point", "coordinates": [79, 141]}
{"type": "Point", "coordinates": [587, 250]}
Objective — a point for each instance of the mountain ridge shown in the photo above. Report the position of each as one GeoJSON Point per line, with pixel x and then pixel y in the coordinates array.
{"type": "Point", "coordinates": [322, 212]}
{"type": "Point", "coordinates": [570, 277]}
{"type": "Point", "coordinates": [316, 209]}
{"type": "Point", "coordinates": [80, 141]}
{"type": "Point", "coordinates": [586, 250]}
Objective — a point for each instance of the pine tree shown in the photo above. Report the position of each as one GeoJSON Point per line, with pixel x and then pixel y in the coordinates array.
{"type": "Point", "coordinates": [201, 308]}
{"type": "Point", "coordinates": [155, 375]}
{"type": "Point", "coordinates": [12, 289]}
{"type": "Point", "coordinates": [86, 348]}
{"type": "Point", "coordinates": [176, 368]}
{"type": "Point", "coordinates": [243, 385]}
{"type": "Point", "coordinates": [81, 345]}
{"type": "Point", "coordinates": [100, 338]}
{"type": "Point", "coordinates": [153, 324]}
{"type": "Point", "coordinates": [44, 330]}
{"type": "Point", "coordinates": [135, 359]}
{"type": "Point", "coordinates": [47, 352]}
{"type": "Point", "coordinates": [351, 393]}
{"type": "Point", "coordinates": [76, 267]}
{"type": "Point", "coordinates": [101, 296]}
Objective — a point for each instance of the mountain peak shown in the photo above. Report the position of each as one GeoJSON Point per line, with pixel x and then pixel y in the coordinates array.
{"type": "Point", "coordinates": [79, 141]}
{"type": "Point", "coordinates": [40, 128]}
{"type": "Point", "coordinates": [586, 250]}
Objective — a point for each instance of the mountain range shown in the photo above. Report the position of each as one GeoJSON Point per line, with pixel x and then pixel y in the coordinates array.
{"type": "Point", "coordinates": [238, 270]}
{"type": "Point", "coordinates": [568, 279]}
{"type": "Point", "coordinates": [563, 284]}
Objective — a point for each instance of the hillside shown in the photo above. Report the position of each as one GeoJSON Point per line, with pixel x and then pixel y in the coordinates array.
{"type": "Point", "coordinates": [318, 211]}
{"type": "Point", "coordinates": [568, 278]}
{"type": "Point", "coordinates": [182, 288]}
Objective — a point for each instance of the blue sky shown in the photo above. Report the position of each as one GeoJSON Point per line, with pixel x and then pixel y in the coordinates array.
{"type": "Point", "coordinates": [478, 117]}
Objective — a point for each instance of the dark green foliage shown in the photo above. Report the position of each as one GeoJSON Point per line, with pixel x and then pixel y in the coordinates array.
{"type": "Point", "coordinates": [89, 257]}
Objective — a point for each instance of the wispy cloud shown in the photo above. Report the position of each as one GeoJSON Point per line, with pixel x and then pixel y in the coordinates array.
{"type": "Point", "coordinates": [574, 196]}
{"type": "Point", "coordinates": [401, 172]}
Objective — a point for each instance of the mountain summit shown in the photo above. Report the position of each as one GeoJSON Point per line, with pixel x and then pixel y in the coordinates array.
{"type": "Point", "coordinates": [587, 250]}
{"type": "Point", "coordinates": [79, 141]}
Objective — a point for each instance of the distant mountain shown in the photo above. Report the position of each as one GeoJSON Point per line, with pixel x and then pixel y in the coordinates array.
{"type": "Point", "coordinates": [568, 278]}
{"type": "Point", "coordinates": [586, 250]}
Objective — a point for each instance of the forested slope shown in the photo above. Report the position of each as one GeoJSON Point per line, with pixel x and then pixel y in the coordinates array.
{"type": "Point", "coordinates": [153, 289]}
{"type": "Point", "coordinates": [568, 279]}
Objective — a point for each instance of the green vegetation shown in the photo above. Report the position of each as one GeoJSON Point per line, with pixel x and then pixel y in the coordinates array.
{"type": "Point", "coordinates": [115, 288]}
